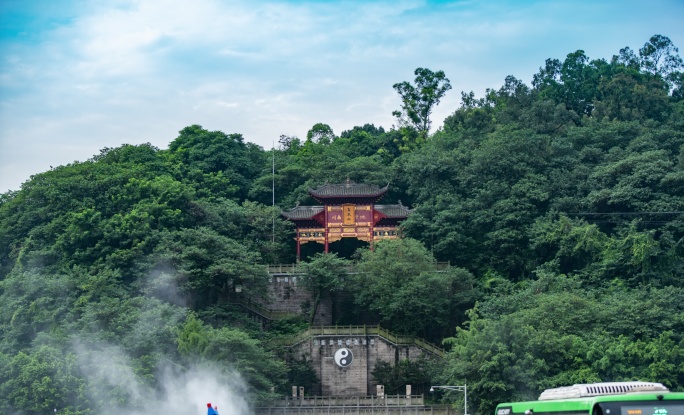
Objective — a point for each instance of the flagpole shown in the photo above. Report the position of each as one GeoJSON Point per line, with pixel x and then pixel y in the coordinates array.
{"type": "Point", "coordinates": [273, 190]}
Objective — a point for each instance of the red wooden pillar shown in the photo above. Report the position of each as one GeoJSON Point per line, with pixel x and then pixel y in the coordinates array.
{"type": "Point", "coordinates": [325, 228]}
{"type": "Point", "coordinates": [372, 226]}
{"type": "Point", "coordinates": [299, 249]}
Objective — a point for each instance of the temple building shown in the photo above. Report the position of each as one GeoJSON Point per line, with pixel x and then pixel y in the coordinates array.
{"type": "Point", "coordinates": [347, 210]}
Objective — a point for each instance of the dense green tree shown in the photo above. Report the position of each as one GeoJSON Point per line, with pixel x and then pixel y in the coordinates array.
{"type": "Point", "coordinates": [42, 380]}
{"type": "Point", "coordinates": [232, 349]}
{"type": "Point", "coordinates": [571, 82]}
{"type": "Point", "coordinates": [211, 265]}
{"type": "Point", "coordinates": [300, 372]}
{"type": "Point", "coordinates": [32, 302]}
{"type": "Point", "coordinates": [323, 276]}
{"type": "Point", "coordinates": [630, 95]}
{"type": "Point", "coordinates": [399, 281]}
{"type": "Point", "coordinates": [200, 152]}
{"type": "Point", "coordinates": [418, 373]}
{"type": "Point", "coordinates": [361, 141]}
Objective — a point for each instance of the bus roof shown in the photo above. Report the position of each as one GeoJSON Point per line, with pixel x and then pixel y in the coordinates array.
{"type": "Point", "coordinates": [583, 397]}
{"type": "Point", "coordinates": [582, 390]}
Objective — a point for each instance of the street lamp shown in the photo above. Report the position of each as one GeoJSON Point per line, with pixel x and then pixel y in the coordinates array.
{"type": "Point", "coordinates": [462, 388]}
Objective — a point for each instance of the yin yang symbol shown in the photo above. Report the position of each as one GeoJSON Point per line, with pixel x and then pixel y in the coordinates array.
{"type": "Point", "coordinates": [344, 357]}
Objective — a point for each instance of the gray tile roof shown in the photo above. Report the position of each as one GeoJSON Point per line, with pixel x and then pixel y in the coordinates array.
{"type": "Point", "coordinates": [393, 211]}
{"type": "Point", "coordinates": [347, 189]}
{"type": "Point", "coordinates": [303, 212]}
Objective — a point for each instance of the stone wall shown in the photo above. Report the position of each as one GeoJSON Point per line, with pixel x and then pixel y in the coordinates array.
{"type": "Point", "coordinates": [358, 410]}
{"type": "Point", "coordinates": [355, 379]}
{"type": "Point", "coordinates": [289, 297]}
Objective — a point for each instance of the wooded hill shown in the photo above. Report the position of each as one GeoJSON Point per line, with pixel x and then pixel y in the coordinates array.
{"type": "Point", "coordinates": [559, 205]}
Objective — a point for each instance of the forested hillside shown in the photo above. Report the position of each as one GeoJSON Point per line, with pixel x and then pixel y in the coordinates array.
{"type": "Point", "coordinates": [560, 206]}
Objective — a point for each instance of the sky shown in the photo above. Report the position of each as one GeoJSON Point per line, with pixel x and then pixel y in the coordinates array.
{"type": "Point", "coordinates": [77, 76]}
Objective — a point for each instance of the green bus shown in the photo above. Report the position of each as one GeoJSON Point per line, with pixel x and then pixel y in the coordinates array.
{"type": "Point", "coordinates": [608, 398]}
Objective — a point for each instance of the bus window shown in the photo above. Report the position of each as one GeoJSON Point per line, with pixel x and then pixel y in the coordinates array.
{"type": "Point", "coordinates": [646, 407]}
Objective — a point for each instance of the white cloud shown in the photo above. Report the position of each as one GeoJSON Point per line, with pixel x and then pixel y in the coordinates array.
{"type": "Point", "coordinates": [139, 71]}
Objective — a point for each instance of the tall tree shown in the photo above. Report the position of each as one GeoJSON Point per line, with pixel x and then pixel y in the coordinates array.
{"type": "Point", "coordinates": [321, 133]}
{"type": "Point", "coordinates": [419, 100]}
{"type": "Point", "coordinates": [659, 56]}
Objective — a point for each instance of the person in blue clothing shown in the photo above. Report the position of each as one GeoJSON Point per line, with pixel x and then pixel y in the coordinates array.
{"type": "Point", "coordinates": [211, 411]}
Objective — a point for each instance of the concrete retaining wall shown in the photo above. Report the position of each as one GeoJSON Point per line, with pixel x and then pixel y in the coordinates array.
{"type": "Point", "coordinates": [354, 379]}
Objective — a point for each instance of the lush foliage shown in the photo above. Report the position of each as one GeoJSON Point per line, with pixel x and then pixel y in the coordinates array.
{"type": "Point", "coordinates": [407, 291]}
{"type": "Point", "coordinates": [558, 205]}
{"type": "Point", "coordinates": [418, 373]}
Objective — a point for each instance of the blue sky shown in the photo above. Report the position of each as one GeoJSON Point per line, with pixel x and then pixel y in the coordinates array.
{"type": "Point", "coordinates": [77, 76]}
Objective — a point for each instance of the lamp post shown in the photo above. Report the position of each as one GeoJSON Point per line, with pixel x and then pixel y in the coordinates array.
{"type": "Point", "coordinates": [463, 388]}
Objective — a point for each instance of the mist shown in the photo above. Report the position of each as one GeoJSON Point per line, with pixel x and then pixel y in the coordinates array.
{"type": "Point", "coordinates": [189, 393]}
{"type": "Point", "coordinates": [112, 379]}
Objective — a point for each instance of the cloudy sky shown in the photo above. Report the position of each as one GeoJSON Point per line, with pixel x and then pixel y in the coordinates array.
{"type": "Point", "coordinates": [80, 75]}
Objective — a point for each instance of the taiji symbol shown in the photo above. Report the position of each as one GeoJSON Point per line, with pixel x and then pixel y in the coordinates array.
{"type": "Point", "coordinates": [344, 357]}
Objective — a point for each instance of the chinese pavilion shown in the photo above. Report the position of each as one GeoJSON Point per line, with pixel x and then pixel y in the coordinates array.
{"type": "Point", "coordinates": [348, 210]}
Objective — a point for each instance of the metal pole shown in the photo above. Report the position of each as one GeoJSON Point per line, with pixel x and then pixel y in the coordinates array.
{"type": "Point", "coordinates": [273, 190]}
{"type": "Point", "coordinates": [465, 398]}
{"type": "Point", "coordinates": [463, 388]}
